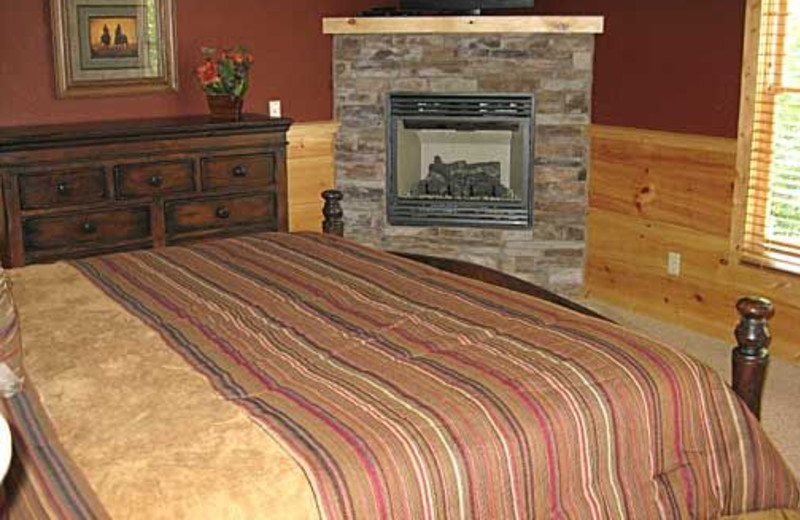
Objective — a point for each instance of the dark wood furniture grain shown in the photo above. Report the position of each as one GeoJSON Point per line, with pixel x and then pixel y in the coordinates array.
{"type": "Point", "coordinates": [751, 355]}
{"type": "Point", "coordinates": [749, 359]}
{"type": "Point", "coordinates": [85, 189]}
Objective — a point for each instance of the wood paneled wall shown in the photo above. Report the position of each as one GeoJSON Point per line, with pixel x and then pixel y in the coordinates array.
{"type": "Point", "coordinates": [655, 192]}
{"type": "Point", "coordinates": [310, 164]}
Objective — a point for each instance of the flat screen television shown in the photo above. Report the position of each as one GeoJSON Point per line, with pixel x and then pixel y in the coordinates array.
{"type": "Point", "coordinates": [459, 6]}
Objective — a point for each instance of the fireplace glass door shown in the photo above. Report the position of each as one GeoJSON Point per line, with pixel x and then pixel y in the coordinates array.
{"type": "Point", "coordinates": [460, 160]}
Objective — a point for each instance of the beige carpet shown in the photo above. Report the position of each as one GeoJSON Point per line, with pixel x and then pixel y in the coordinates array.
{"type": "Point", "coordinates": [780, 411]}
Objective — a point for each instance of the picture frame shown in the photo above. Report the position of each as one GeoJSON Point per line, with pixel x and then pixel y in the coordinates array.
{"type": "Point", "coordinates": [113, 47]}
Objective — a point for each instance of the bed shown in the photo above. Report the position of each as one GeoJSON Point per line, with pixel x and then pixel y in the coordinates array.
{"type": "Point", "coordinates": [295, 376]}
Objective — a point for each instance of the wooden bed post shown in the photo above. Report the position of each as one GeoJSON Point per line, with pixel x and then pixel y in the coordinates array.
{"type": "Point", "coordinates": [332, 211]}
{"type": "Point", "coordinates": [751, 357]}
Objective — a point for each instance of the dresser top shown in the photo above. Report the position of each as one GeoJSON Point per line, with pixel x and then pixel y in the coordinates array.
{"type": "Point", "coordinates": [44, 136]}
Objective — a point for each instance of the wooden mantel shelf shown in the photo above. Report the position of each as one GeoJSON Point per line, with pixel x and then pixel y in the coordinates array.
{"type": "Point", "coordinates": [463, 24]}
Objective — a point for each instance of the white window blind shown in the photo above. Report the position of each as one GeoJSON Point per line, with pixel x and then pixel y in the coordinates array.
{"type": "Point", "coordinates": [772, 219]}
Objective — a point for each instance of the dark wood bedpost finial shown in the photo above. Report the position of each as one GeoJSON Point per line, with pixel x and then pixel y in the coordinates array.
{"type": "Point", "coordinates": [332, 211]}
{"type": "Point", "coordinates": [750, 357]}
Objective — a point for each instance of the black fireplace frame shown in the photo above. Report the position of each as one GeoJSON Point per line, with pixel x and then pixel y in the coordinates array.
{"type": "Point", "coordinates": [470, 109]}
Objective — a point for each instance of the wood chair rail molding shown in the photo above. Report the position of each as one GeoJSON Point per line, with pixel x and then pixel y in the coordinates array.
{"type": "Point", "coordinates": [749, 359]}
{"type": "Point", "coordinates": [663, 138]}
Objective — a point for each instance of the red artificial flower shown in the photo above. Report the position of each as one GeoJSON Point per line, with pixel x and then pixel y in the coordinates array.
{"type": "Point", "coordinates": [241, 57]}
{"type": "Point", "coordinates": [207, 72]}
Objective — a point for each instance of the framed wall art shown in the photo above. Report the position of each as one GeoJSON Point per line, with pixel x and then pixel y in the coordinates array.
{"type": "Point", "coordinates": [111, 47]}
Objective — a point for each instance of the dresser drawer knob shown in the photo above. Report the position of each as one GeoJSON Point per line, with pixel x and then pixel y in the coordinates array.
{"type": "Point", "coordinates": [156, 181]}
{"type": "Point", "coordinates": [240, 171]}
{"type": "Point", "coordinates": [89, 227]}
{"type": "Point", "coordinates": [223, 212]}
{"type": "Point", "coordinates": [62, 188]}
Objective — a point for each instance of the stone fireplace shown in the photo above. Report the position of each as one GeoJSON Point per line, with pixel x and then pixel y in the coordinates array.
{"type": "Point", "coordinates": [552, 67]}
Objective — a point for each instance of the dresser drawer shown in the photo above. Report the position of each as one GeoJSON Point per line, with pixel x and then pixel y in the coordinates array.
{"type": "Point", "coordinates": [221, 212]}
{"type": "Point", "coordinates": [147, 179]}
{"type": "Point", "coordinates": [232, 171]}
{"type": "Point", "coordinates": [101, 227]}
{"type": "Point", "coordinates": [62, 188]}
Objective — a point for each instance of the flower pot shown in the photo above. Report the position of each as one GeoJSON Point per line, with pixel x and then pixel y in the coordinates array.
{"type": "Point", "coordinates": [225, 108]}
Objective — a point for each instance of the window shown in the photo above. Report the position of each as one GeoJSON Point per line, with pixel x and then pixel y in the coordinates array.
{"type": "Point", "coordinates": [771, 120]}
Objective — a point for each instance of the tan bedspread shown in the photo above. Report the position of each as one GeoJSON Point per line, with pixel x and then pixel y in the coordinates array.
{"type": "Point", "coordinates": [153, 439]}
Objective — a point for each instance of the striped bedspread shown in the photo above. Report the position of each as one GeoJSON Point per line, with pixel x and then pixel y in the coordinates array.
{"type": "Point", "coordinates": [42, 482]}
{"type": "Point", "coordinates": [407, 393]}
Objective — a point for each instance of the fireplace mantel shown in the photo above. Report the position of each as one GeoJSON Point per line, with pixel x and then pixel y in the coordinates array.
{"type": "Point", "coordinates": [464, 25]}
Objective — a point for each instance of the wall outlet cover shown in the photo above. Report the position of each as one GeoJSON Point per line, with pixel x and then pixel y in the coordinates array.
{"type": "Point", "coordinates": [275, 108]}
{"type": "Point", "coordinates": [673, 263]}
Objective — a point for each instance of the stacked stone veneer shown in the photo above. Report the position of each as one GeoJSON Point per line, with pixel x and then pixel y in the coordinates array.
{"type": "Point", "coordinates": [557, 68]}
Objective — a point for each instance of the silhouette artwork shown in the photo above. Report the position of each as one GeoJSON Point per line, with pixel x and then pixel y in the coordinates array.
{"type": "Point", "coordinates": [119, 37]}
{"type": "Point", "coordinates": [105, 39]}
{"type": "Point", "coordinates": [123, 44]}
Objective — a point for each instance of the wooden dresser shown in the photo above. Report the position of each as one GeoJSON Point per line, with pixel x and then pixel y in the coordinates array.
{"type": "Point", "coordinates": [85, 189]}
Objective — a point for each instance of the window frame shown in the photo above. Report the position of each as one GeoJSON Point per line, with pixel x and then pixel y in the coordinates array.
{"type": "Point", "coordinates": [747, 113]}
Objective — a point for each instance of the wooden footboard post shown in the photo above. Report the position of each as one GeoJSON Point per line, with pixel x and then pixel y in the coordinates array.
{"type": "Point", "coordinates": [332, 211]}
{"type": "Point", "coordinates": [750, 357]}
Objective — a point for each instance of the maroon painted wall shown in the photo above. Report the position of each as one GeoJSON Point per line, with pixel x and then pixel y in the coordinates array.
{"type": "Point", "coordinates": [292, 60]}
{"type": "Point", "coordinates": [669, 65]}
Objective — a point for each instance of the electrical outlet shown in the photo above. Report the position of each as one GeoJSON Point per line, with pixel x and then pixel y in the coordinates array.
{"type": "Point", "coordinates": [673, 263]}
{"type": "Point", "coordinates": [275, 108]}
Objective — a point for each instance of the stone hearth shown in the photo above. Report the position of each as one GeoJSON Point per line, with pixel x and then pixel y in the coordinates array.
{"type": "Point", "coordinates": [556, 68]}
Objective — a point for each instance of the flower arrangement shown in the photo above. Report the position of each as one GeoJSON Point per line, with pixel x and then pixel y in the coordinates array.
{"type": "Point", "coordinates": [226, 72]}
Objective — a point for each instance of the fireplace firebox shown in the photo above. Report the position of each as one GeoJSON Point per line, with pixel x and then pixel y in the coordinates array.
{"type": "Point", "coordinates": [460, 160]}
